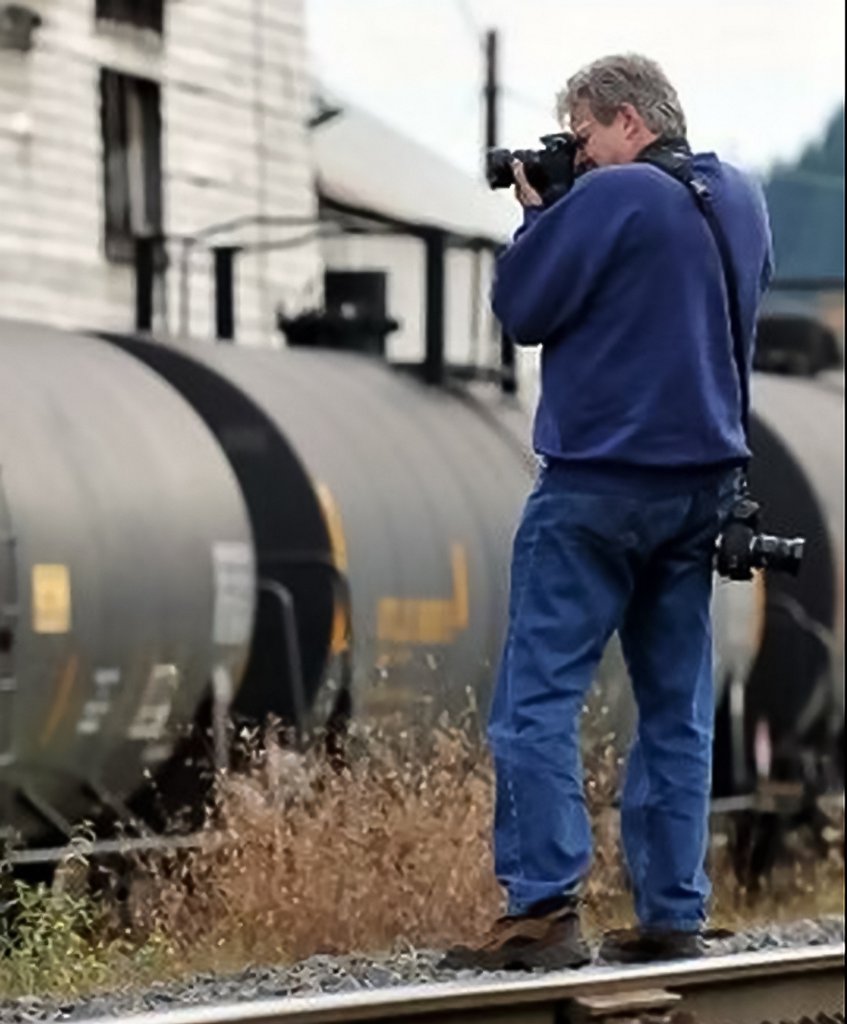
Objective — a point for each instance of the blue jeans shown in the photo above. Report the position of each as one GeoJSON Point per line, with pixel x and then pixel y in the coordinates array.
{"type": "Point", "coordinates": [595, 552]}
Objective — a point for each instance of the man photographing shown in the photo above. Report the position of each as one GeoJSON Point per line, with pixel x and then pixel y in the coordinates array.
{"type": "Point", "coordinates": [640, 430]}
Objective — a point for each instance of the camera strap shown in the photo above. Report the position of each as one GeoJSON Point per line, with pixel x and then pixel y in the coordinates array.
{"type": "Point", "coordinates": [674, 157]}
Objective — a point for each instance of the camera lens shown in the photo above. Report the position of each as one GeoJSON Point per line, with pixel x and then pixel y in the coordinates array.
{"type": "Point", "coordinates": [782, 554]}
{"type": "Point", "coordinates": [498, 168]}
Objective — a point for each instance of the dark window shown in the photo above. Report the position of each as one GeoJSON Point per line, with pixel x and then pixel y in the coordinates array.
{"type": "Point", "coordinates": [132, 161]}
{"type": "Point", "coordinates": [354, 315]}
{"type": "Point", "coordinates": [141, 13]}
{"type": "Point", "coordinates": [355, 293]}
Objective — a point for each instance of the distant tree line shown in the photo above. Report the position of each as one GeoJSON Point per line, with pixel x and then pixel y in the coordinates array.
{"type": "Point", "coordinates": [806, 204]}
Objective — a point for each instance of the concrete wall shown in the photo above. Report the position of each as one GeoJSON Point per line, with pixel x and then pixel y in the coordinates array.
{"type": "Point", "coordinates": [234, 101]}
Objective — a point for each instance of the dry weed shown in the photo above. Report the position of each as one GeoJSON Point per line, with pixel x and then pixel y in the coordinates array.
{"type": "Point", "coordinates": [395, 848]}
{"type": "Point", "coordinates": [390, 849]}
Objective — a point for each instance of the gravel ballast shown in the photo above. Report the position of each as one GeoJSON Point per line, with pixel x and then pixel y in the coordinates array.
{"type": "Point", "coordinates": [339, 974]}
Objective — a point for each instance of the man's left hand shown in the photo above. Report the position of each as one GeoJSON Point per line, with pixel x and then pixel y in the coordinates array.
{"type": "Point", "coordinates": [524, 192]}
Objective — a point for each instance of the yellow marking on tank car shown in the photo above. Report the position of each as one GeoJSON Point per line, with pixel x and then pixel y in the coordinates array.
{"type": "Point", "coordinates": [64, 686]}
{"type": "Point", "coordinates": [334, 525]}
{"type": "Point", "coordinates": [340, 637]}
{"type": "Point", "coordinates": [51, 599]}
{"type": "Point", "coordinates": [461, 592]}
{"type": "Point", "coordinates": [428, 621]}
{"type": "Point", "coordinates": [760, 610]}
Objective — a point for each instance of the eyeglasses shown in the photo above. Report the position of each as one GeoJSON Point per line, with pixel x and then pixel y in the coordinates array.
{"type": "Point", "coordinates": [579, 133]}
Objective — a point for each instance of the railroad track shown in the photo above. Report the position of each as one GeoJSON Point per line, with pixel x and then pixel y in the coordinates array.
{"type": "Point", "coordinates": [796, 986]}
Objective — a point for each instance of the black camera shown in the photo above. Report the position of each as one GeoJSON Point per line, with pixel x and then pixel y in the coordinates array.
{"type": "Point", "coordinates": [741, 548]}
{"type": "Point", "coordinates": [551, 171]}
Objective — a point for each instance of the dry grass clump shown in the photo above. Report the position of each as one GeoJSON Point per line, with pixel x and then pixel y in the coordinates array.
{"type": "Point", "coordinates": [311, 857]}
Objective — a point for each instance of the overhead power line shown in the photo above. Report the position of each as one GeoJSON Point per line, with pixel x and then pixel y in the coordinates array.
{"type": "Point", "coordinates": [471, 24]}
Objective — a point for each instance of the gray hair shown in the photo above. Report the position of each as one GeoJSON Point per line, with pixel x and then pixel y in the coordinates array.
{"type": "Point", "coordinates": [608, 83]}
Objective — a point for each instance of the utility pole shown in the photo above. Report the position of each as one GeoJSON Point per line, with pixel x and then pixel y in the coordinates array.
{"type": "Point", "coordinates": [491, 94]}
{"type": "Point", "coordinates": [491, 91]}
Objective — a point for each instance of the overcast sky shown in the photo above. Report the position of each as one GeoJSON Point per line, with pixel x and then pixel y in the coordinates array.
{"type": "Point", "coordinates": [757, 78]}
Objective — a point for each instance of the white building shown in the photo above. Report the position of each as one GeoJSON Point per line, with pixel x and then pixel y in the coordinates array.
{"type": "Point", "coordinates": [121, 118]}
{"type": "Point", "coordinates": [389, 196]}
{"type": "Point", "coordinates": [189, 121]}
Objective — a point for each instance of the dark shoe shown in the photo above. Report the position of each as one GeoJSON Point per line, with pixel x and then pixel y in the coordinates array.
{"type": "Point", "coordinates": [635, 946]}
{"type": "Point", "coordinates": [551, 941]}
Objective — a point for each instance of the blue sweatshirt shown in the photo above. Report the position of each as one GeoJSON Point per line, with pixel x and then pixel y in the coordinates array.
{"type": "Point", "coordinates": [620, 282]}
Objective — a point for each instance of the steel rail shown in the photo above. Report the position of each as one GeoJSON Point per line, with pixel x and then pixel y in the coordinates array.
{"type": "Point", "coordinates": [746, 988]}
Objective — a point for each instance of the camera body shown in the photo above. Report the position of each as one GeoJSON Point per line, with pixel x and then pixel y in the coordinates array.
{"type": "Point", "coordinates": [741, 548]}
{"type": "Point", "coordinates": [551, 171]}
